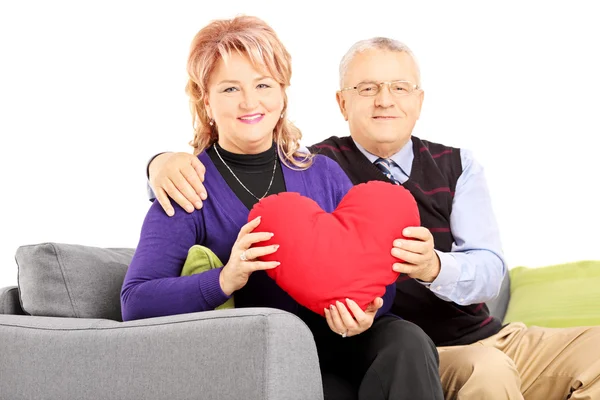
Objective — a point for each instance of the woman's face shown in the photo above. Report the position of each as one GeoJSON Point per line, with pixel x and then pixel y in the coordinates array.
{"type": "Point", "coordinates": [245, 104]}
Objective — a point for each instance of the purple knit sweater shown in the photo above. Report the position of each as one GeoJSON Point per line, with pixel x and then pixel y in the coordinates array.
{"type": "Point", "coordinates": [153, 286]}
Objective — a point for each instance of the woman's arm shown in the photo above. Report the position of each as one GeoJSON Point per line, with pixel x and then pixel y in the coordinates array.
{"type": "Point", "coordinates": [153, 286]}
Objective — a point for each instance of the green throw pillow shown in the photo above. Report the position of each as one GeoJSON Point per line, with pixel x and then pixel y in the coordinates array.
{"type": "Point", "coordinates": [557, 296]}
{"type": "Point", "coordinates": [201, 259]}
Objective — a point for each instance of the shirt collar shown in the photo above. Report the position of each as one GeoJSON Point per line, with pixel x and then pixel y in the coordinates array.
{"type": "Point", "coordinates": [403, 158]}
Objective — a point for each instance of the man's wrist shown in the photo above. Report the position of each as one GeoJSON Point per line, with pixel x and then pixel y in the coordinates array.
{"type": "Point", "coordinates": [434, 271]}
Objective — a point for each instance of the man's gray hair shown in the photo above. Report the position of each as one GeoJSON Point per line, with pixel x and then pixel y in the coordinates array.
{"type": "Point", "coordinates": [380, 43]}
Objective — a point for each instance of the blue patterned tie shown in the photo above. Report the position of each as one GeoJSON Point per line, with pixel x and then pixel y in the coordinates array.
{"type": "Point", "coordinates": [385, 166]}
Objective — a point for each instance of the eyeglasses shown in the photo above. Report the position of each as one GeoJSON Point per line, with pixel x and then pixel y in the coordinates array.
{"type": "Point", "coordinates": [398, 88]}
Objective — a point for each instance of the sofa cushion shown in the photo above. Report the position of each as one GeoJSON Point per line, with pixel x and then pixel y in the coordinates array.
{"type": "Point", "coordinates": [201, 259]}
{"type": "Point", "coordinates": [558, 296]}
{"type": "Point", "coordinates": [66, 280]}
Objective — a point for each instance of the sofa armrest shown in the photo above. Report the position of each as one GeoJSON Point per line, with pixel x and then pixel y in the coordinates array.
{"type": "Point", "coordinates": [9, 301]}
{"type": "Point", "coordinates": [248, 353]}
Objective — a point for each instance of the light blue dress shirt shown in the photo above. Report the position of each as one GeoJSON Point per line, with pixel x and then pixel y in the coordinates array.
{"type": "Point", "coordinates": [472, 272]}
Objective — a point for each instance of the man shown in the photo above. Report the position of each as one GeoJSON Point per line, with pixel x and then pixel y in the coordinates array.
{"type": "Point", "coordinates": [455, 259]}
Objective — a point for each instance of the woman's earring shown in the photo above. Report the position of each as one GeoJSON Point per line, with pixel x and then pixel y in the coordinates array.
{"type": "Point", "coordinates": [212, 122]}
{"type": "Point", "coordinates": [281, 116]}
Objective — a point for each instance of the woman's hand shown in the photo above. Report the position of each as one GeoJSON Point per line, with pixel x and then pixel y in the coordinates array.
{"type": "Point", "coordinates": [343, 323]}
{"type": "Point", "coordinates": [241, 264]}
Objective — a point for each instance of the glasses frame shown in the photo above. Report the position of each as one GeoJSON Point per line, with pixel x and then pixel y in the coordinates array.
{"type": "Point", "coordinates": [380, 85]}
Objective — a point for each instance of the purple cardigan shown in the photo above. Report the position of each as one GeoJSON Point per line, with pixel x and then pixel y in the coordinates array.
{"type": "Point", "coordinates": [153, 286]}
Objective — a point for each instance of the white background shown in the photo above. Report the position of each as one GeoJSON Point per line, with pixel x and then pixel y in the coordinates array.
{"type": "Point", "coordinates": [90, 90]}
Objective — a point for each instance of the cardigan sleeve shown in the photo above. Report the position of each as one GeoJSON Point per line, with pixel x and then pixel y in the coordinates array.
{"type": "Point", "coordinates": [153, 286]}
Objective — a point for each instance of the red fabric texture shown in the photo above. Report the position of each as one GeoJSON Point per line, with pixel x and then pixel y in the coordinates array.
{"type": "Point", "coordinates": [328, 257]}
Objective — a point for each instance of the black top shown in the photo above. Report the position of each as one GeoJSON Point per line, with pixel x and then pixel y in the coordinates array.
{"type": "Point", "coordinates": [435, 171]}
{"type": "Point", "coordinates": [253, 170]}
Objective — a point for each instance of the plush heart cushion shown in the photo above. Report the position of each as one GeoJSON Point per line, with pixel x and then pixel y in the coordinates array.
{"type": "Point", "coordinates": [326, 257]}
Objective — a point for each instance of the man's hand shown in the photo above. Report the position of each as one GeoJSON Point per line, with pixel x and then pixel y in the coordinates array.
{"type": "Point", "coordinates": [179, 176]}
{"type": "Point", "coordinates": [419, 260]}
{"type": "Point", "coordinates": [347, 324]}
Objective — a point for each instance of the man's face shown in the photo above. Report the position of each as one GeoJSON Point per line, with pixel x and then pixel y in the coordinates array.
{"type": "Point", "coordinates": [383, 123]}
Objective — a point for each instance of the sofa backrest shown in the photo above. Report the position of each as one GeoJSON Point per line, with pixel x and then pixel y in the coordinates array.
{"type": "Point", "coordinates": [9, 301]}
{"type": "Point", "coordinates": [68, 280]}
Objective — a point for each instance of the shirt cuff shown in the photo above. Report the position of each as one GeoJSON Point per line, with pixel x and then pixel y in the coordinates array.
{"type": "Point", "coordinates": [149, 191]}
{"type": "Point", "coordinates": [446, 281]}
{"type": "Point", "coordinates": [210, 288]}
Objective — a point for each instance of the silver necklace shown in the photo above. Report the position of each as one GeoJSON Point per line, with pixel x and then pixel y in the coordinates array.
{"type": "Point", "coordinates": [240, 182]}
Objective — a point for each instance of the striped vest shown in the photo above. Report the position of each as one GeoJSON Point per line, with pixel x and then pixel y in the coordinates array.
{"type": "Point", "coordinates": [435, 171]}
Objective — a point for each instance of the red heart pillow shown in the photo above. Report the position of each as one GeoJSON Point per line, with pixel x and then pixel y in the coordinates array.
{"type": "Point", "coordinates": [346, 254]}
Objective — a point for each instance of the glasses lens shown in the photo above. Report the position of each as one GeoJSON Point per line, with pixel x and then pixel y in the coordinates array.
{"type": "Point", "coordinates": [401, 88]}
{"type": "Point", "coordinates": [367, 89]}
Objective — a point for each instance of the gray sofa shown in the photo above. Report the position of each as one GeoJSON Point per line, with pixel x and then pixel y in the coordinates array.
{"type": "Point", "coordinates": [76, 347]}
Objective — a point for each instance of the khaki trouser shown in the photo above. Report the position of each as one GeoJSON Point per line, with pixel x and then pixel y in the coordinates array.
{"type": "Point", "coordinates": [525, 363]}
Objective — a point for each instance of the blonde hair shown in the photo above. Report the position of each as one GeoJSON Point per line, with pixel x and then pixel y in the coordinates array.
{"type": "Point", "coordinates": [253, 38]}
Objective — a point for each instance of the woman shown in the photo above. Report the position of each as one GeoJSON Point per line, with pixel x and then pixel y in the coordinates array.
{"type": "Point", "coordinates": [238, 72]}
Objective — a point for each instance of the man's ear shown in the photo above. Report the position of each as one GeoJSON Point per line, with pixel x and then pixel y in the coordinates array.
{"type": "Point", "coordinates": [342, 103]}
{"type": "Point", "coordinates": [421, 98]}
